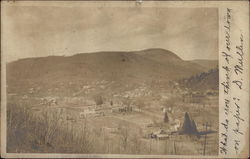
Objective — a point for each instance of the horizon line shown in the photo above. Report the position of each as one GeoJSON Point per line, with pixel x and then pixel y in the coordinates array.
{"type": "Point", "coordinates": [111, 51]}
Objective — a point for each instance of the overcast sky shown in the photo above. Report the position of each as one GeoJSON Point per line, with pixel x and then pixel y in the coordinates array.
{"type": "Point", "coordinates": [191, 33]}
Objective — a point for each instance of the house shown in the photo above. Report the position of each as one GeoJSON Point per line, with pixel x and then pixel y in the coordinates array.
{"type": "Point", "coordinates": [122, 109]}
{"type": "Point", "coordinates": [168, 109]}
{"type": "Point", "coordinates": [24, 97]}
{"type": "Point", "coordinates": [160, 135]}
{"type": "Point", "coordinates": [175, 125]}
{"type": "Point", "coordinates": [110, 130]}
{"type": "Point", "coordinates": [87, 112]}
{"type": "Point", "coordinates": [70, 118]}
{"type": "Point", "coordinates": [125, 109]}
{"type": "Point", "coordinates": [49, 101]}
{"type": "Point", "coordinates": [137, 109]}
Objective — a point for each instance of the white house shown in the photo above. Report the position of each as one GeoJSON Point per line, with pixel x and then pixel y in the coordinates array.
{"type": "Point", "coordinates": [87, 112]}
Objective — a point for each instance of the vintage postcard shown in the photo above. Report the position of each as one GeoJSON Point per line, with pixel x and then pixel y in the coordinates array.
{"type": "Point", "coordinates": [127, 79]}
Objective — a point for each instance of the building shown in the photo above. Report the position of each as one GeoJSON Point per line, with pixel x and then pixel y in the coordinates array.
{"type": "Point", "coordinates": [87, 112]}
{"type": "Point", "coordinates": [160, 135]}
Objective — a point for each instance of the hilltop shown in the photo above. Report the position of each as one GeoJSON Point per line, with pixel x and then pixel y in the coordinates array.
{"type": "Point", "coordinates": [140, 65]}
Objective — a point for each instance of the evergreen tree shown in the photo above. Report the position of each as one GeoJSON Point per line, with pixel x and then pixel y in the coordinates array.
{"type": "Point", "coordinates": [189, 126]}
{"type": "Point", "coordinates": [166, 119]}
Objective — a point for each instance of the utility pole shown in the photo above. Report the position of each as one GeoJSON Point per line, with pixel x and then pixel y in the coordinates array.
{"type": "Point", "coordinates": [165, 147]}
{"type": "Point", "coordinates": [150, 146]}
{"type": "Point", "coordinates": [205, 141]}
{"type": "Point", "coordinates": [174, 148]}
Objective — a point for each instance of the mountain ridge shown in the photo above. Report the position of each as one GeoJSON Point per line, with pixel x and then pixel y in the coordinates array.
{"type": "Point", "coordinates": [119, 70]}
{"type": "Point", "coordinates": [108, 62]}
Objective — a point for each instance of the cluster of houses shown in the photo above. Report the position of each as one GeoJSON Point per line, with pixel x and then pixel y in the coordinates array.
{"type": "Point", "coordinates": [197, 97]}
{"type": "Point", "coordinates": [160, 135]}
{"type": "Point", "coordinates": [92, 111]}
{"type": "Point", "coordinates": [49, 101]}
{"type": "Point", "coordinates": [173, 125]}
{"type": "Point", "coordinates": [138, 92]}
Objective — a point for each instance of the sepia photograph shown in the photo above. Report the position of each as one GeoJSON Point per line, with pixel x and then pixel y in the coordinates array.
{"type": "Point", "coordinates": [100, 79]}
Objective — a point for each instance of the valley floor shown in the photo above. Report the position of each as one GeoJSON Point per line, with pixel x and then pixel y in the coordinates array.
{"type": "Point", "coordinates": [73, 128]}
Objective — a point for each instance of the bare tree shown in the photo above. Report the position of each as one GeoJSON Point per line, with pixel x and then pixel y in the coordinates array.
{"type": "Point", "coordinates": [85, 138]}
{"type": "Point", "coordinates": [17, 124]}
{"type": "Point", "coordinates": [124, 132]}
{"type": "Point", "coordinates": [136, 143]}
{"type": "Point", "coordinates": [47, 126]}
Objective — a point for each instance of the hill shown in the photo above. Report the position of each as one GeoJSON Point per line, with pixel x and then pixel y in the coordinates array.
{"type": "Point", "coordinates": [208, 64]}
{"type": "Point", "coordinates": [142, 65]}
{"type": "Point", "coordinates": [203, 81]}
{"type": "Point", "coordinates": [109, 71]}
